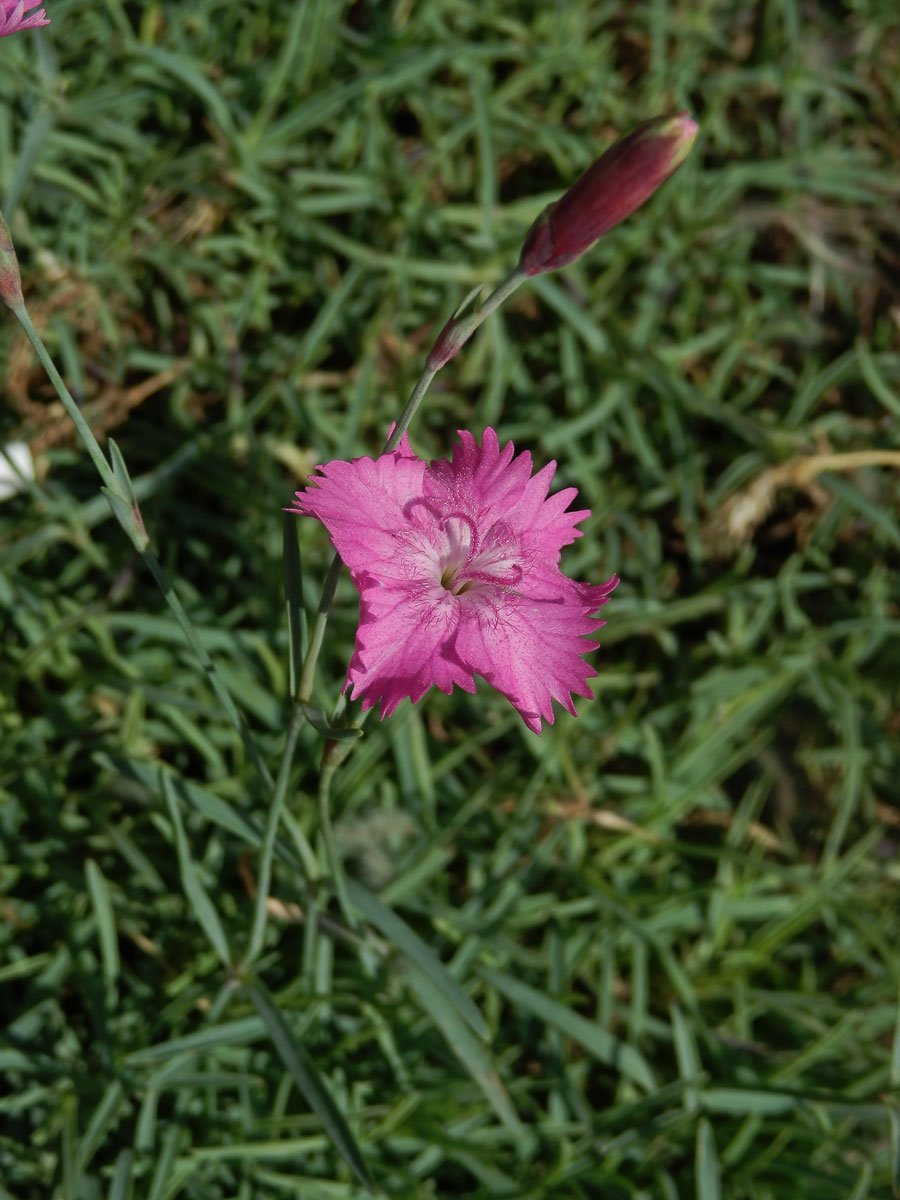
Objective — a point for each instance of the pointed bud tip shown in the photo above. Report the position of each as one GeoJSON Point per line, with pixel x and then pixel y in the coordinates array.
{"type": "Point", "coordinates": [616, 184]}
{"type": "Point", "coordinates": [683, 129]}
{"type": "Point", "coordinates": [10, 280]}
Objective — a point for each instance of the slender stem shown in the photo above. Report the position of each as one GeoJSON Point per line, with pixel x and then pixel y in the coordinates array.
{"type": "Point", "coordinates": [152, 563]}
{"type": "Point", "coordinates": [412, 404]}
{"type": "Point", "coordinates": [209, 667]}
{"type": "Point", "coordinates": [273, 819]}
{"type": "Point", "coordinates": [317, 631]}
{"type": "Point", "coordinates": [464, 327]}
{"type": "Point", "coordinates": [329, 766]}
{"type": "Point", "coordinates": [460, 330]}
{"type": "Point", "coordinates": [84, 430]}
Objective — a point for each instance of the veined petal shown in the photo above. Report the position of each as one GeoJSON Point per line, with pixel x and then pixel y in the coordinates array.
{"type": "Point", "coordinates": [531, 652]}
{"type": "Point", "coordinates": [405, 644]}
{"type": "Point", "coordinates": [457, 569]}
{"type": "Point", "coordinates": [365, 504]}
{"type": "Point", "coordinates": [498, 485]}
{"type": "Point", "coordinates": [13, 18]}
{"type": "Point", "coordinates": [487, 479]}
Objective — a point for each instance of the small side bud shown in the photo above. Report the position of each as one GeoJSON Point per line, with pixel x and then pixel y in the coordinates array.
{"type": "Point", "coordinates": [454, 335]}
{"type": "Point", "coordinates": [447, 343]}
{"type": "Point", "coordinates": [609, 190]}
{"type": "Point", "coordinates": [10, 279]}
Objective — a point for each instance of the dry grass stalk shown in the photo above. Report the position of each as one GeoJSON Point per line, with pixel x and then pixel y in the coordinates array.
{"type": "Point", "coordinates": [734, 524]}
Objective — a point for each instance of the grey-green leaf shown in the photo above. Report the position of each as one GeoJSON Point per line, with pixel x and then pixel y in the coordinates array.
{"type": "Point", "coordinates": [598, 1042]}
{"type": "Point", "coordinates": [198, 898]}
{"type": "Point", "coordinates": [308, 1080]}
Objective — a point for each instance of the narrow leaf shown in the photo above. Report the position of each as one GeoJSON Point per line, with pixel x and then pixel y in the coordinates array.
{"type": "Point", "coordinates": [106, 925]}
{"type": "Point", "coordinates": [396, 930]}
{"type": "Point", "coordinates": [740, 1102]}
{"type": "Point", "coordinates": [707, 1163]}
{"type": "Point", "coordinates": [103, 1118]}
{"type": "Point", "coordinates": [161, 1175]}
{"type": "Point", "coordinates": [470, 1052]}
{"type": "Point", "coordinates": [293, 590]}
{"type": "Point", "coordinates": [598, 1042]}
{"type": "Point", "coordinates": [204, 909]}
{"type": "Point", "coordinates": [319, 722]}
{"type": "Point", "coordinates": [120, 471]}
{"type": "Point", "coordinates": [120, 1187]}
{"type": "Point", "coordinates": [124, 514]}
{"type": "Point", "coordinates": [216, 810]}
{"type": "Point", "coordinates": [308, 1080]}
{"type": "Point", "coordinates": [894, 1137]}
{"type": "Point", "coordinates": [230, 1033]}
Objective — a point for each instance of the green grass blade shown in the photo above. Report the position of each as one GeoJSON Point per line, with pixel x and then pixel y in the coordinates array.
{"type": "Point", "coordinates": [106, 926]}
{"type": "Point", "coordinates": [396, 930]}
{"type": "Point", "coordinates": [181, 68]}
{"type": "Point", "coordinates": [197, 896]}
{"type": "Point", "coordinates": [293, 590]}
{"type": "Point", "coordinates": [103, 1119]}
{"type": "Point", "coordinates": [470, 1052]}
{"type": "Point", "coordinates": [707, 1163]}
{"type": "Point", "coordinates": [229, 1033]}
{"type": "Point", "coordinates": [216, 810]}
{"type": "Point", "coordinates": [123, 1176]}
{"type": "Point", "coordinates": [162, 1173]}
{"type": "Point", "coordinates": [601, 1044]}
{"type": "Point", "coordinates": [308, 1080]}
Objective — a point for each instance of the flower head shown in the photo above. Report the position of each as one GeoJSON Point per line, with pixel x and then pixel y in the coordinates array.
{"type": "Point", "coordinates": [456, 564]}
{"type": "Point", "coordinates": [13, 16]}
{"type": "Point", "coordinates": [621, 179]}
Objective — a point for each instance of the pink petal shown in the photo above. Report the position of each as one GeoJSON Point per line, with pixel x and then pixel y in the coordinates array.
{"type": "Point", "coordinates": [404, 645]}
{"type": "Point", "coordinates": [501, 487]}
{"type": "Point", "coordinates": [13, 19]}
{"type": "Point", "coordinates": [457, 569]}
{"type": "Point", "coordinates": [532, 651]}
{"type": "Point", "coordinates": [362, 503]}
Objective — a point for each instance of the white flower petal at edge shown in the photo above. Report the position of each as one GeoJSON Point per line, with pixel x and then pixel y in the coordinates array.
{"type": "Point", "coordinates": [457, 567]}
{"type": "Point", "coordinates": [16, 469]}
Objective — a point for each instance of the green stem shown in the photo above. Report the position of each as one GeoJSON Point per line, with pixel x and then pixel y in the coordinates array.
{"type": "Point", "coordinates": [459, 331]}
{"type": "Point", "coordinates": [84, 430]}
{"type": "Point", "coordinates": [273, 819]}
{"type": "Point", "coordinates": [152, 563]}
{"type": "Point", "coordinates": [334, 863]}
{"type": "Point", "coordinates": [462, 328]}
{"type": "Point", "coordinates": [412, 404]}
{"type": "Point", "coordinates": [317, 632]}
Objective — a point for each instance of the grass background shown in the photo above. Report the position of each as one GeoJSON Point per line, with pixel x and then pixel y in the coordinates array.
{"type": "Point", "coordinates": [240, 226]}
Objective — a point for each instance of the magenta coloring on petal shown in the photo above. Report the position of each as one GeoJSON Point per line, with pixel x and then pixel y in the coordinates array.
{"type": "Point", "coordinates": [457, 567]}
{"type": "Point", "coordinates": [13, 16]}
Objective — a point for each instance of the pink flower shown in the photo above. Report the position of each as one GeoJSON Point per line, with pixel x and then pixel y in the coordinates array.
{"type": "Point", "coordinates": [12, 16]}
{"type": "Point", "coordinates": [456, 564]}
{"type": "Point", "coordinates": [621, 179]}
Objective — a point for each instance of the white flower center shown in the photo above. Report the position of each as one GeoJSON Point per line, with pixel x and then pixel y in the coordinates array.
{"type": "Point", "coordinates": [470, 563]}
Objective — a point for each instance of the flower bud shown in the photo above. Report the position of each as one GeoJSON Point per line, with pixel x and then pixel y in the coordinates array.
{"type": "Point", "coordinates": [609, 190]}
{"type": "Point", "coordinates": [448, 342]}
{"type": "Point", "coordinates": [10, 279]}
